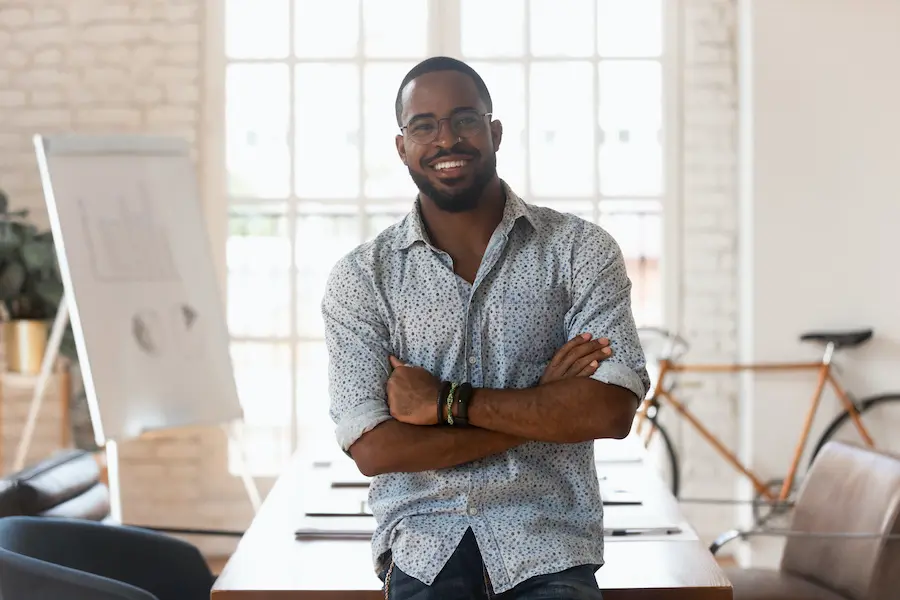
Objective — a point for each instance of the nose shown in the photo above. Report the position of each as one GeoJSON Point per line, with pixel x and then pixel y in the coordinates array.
{"type": "Point", "coordinates": [445, 136]}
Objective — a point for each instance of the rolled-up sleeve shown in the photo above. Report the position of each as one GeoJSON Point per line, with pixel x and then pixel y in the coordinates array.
{"type": "Point", "coordinates": [601, 306]}
{"type": "Point", "coordinates": [358, 344]}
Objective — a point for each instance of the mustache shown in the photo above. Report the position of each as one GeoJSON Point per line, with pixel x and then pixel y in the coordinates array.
{"type": "Point", "coordinates": [454, 151]}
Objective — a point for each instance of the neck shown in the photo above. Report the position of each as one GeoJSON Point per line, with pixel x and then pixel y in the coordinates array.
{"type": "Point", "coordinates": [465, 234]}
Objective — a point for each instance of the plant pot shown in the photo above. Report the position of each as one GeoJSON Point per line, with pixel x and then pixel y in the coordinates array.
{"type": "Point", "coordinates": [25, 342]}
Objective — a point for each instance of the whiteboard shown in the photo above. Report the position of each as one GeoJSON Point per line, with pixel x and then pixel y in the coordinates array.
{"type": "Point", "coordinates": [144, 301]}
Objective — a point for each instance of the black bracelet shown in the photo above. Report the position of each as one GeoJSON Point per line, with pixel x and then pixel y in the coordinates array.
{"type": "Point", "coordinates": [441, 400]}
{"type": "Point", "coordinates": [463, 399]}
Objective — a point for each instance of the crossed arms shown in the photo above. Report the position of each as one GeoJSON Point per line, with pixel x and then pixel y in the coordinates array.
{"type": "Point", "coordinates": [385, 410]}
{"type": "Point", "coordinates": [568, 407]}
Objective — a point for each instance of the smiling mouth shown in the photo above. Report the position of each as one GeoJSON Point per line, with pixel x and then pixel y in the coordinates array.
{"type": "Point", "coordinates": [450, 168]}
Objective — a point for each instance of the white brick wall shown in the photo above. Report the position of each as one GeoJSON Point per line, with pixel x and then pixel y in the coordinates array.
{"type": "Point", "coordinates": [709, 239]}
{"type": "Point", "coordinates": [101, 66]}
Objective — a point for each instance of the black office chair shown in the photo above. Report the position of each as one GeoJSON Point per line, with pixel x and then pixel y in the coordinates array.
{"type": "Point", "coordinates": [46, 558]}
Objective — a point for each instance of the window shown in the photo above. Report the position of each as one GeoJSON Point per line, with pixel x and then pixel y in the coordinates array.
{"type": "Point", "coordinates": [312, 170]}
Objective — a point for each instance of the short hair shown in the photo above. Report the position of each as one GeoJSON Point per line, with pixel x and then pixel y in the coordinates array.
{"type": "Point", "coordinates": [442, 63]}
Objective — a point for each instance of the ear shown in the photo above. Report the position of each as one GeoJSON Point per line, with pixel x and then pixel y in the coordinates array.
{"type": "Point", "coordinates": [401, 148]}
{"type": "Point", "coordinates": [496, 134]}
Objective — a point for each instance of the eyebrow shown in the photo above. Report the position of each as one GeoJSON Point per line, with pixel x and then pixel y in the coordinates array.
{"type": "Point", "coordinates": [458, 109]}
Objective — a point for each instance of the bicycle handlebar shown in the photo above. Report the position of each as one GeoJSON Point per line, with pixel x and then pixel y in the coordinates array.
{"type": "Point", "coordinates": [674, 340]}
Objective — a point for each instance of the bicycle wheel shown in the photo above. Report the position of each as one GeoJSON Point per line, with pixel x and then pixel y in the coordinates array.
{"type": "Point", "coordinates": [662, 455]}
{"type": "Point", "coordinates": [880, 416]}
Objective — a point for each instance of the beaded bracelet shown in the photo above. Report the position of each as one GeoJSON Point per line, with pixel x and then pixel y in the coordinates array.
{"type": "Point", "coordinates": [450, 403]}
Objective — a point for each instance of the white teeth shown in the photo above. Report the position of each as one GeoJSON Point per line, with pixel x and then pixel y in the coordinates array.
{"type": "Point", "coordinates": [450, 164]}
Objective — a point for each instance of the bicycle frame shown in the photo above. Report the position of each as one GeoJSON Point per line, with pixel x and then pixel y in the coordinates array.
{"type": "Point", "coordinates": [825, 376]}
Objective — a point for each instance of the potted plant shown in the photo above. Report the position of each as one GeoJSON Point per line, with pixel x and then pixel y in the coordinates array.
{"type": "Point", "coordinates": [30, 291]}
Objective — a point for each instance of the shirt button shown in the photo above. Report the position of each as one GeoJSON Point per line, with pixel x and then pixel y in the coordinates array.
{"type": "Point", "coordinates": [472, 360]}
{"type": "Point", "coordinates": [473, 511]}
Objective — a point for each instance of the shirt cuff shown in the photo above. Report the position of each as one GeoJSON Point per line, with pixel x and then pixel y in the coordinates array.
{"type": "Point", "coordinates": [360, 420]}
{"type": "Point", "coordinates": [622, 376]}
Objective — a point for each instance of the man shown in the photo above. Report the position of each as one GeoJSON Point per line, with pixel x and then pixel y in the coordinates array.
{"type": "Point", "coordinates": [477, 287]}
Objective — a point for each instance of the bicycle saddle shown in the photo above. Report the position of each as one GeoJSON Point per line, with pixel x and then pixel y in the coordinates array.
{"type": "Point", "coordinates": [840, 339]}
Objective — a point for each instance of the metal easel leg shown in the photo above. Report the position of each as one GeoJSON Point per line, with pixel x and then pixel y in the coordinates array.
{"type": "Point", "coordinates": [50, 355]}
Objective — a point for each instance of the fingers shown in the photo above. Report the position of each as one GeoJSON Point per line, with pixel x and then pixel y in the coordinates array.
{"type": "Point", "coordinates": [591, 360]}
{"type": "Point", "coordinates": [588, 370]}
{"type": "Point", "coordinates": [579, 352]}
{"type": "Point", "coordinates": [396, 362]}
{"type": "Point", "coordinates": [568, 346]}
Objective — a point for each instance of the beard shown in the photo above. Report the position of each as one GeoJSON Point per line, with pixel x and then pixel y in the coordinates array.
{"type": "Point", "coordinates": [458, 200]}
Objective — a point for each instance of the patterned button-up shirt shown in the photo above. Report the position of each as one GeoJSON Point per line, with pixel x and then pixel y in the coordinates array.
{"type": "Point", "coordinates": [545, 277]}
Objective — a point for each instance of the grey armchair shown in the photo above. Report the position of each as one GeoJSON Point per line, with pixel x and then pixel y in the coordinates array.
{"type": "Point", "coordinates": [47, 558]}
{"type": "Point", "coordinates": [844, 538]}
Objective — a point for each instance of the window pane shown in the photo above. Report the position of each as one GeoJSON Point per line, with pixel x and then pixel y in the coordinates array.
{"type": "Point", "coordinates": [479, 28]}
{"type": "Point", "coordinates": [325, 29]}
{"type": "Point", "coordinates": [327, 145]}
{"type": "Point", "coordinates": [255, 29]}
{"type": "Point", "coordinates": [267, 450]}
{"type": "Point", "coordinates": [259, 266]}
{"type": "Point", "coordinates": [395, 28]}
{"type": "Point", "coordinates": [313, 399]}
{"type": "Point", "coordinates": [630, 113]}
{"type": "Point", "coordinates": [262, 372]}
{"type": "Point", "coordinates": [506, 83]}
{"type": "Point", "coordinates": [637, 227]}
{"type": "Point", "coordinates": [629, 27]}
{"type": "Point", "coordinates": [322, 239]}
{"type": "Point", "coordinates": [257, 130]}
{"type": "Point", "coordinates": [562, 132]}
{"type": "Point", "coordinates": [386, 177]}
{"type": "Point", "coordinates": [562, 28]}
{"type": "Point", "coordinates": [580, 208]}
{"type": "Point", "coordinates": [381, 217]}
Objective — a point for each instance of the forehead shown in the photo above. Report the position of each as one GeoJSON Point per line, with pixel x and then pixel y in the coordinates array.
{"type": "Point", "coordinates": [439, 93]}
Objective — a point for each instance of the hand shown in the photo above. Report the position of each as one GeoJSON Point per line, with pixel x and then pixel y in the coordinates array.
{"type": "Point", "coordinates": [412, 394]}
{"type": "Point", "coordinates": [579, 357]}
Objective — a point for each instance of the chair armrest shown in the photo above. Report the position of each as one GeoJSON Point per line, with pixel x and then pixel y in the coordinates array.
{"type": "Point", "coordinates": [189, 531]}
{"type": "Point", "coordinates": [26, 577]}
{"type": "Point", "coordinates": [733, 534]}
{"type": "Point", "coordinates": [724, 538]}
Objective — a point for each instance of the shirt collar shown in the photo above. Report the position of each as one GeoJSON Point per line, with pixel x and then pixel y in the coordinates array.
{"type": "Point", "coordinates": [412, 229]}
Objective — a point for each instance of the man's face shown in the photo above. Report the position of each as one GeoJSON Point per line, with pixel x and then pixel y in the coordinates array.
{"type": "Point", "coordinates": [450, 169]}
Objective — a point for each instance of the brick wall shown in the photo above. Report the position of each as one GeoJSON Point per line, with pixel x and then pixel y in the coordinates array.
{"type": "Point", "coordinates": [709, 250]}
{"type": "Point", "coordinates": [101, 66]}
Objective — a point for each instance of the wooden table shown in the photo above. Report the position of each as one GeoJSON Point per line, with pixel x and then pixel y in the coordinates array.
{"type": "Point", "coordinates": [270, 564]}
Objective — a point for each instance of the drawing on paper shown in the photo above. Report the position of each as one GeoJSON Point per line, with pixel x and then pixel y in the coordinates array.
{"type": "Point", "coordinates": [179, 326]}
{"type": "Point", "coordinates": [126, 240]}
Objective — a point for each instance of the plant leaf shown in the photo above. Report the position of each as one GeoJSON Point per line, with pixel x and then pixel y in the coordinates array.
{"type": "Point", "coordinates": [12, 279]}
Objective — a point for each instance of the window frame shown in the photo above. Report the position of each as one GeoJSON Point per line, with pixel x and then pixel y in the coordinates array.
{"type": "Point", "coordinates": [444, 25]}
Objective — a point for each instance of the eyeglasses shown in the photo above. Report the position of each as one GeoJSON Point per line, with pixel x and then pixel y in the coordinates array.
{"type": "Point", "coordinates": [464, 124]}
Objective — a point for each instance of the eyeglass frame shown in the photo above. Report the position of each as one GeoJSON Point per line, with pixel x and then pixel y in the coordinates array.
{"type": "Point", "coordinates": [437, 134]}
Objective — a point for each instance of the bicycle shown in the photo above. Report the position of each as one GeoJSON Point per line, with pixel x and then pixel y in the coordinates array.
{"type": "Point", "coordinates": [861, 415]}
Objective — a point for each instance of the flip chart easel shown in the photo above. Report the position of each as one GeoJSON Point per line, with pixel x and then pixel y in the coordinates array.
{"type": "Point", "coordinates": [141, 293]}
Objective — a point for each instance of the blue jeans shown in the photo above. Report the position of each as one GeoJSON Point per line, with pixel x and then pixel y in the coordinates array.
{"type": "Point", "coordinates": [464, 578]}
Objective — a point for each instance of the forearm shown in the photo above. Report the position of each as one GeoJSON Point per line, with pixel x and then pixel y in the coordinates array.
{"type": "Point", "coordinates": [394, 447]}
{"type": "Point", "coordinates": [566, 411]}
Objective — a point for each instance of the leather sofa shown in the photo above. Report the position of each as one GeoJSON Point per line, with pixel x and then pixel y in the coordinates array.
{"type": "Point", "coordinates": [68, 484]}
